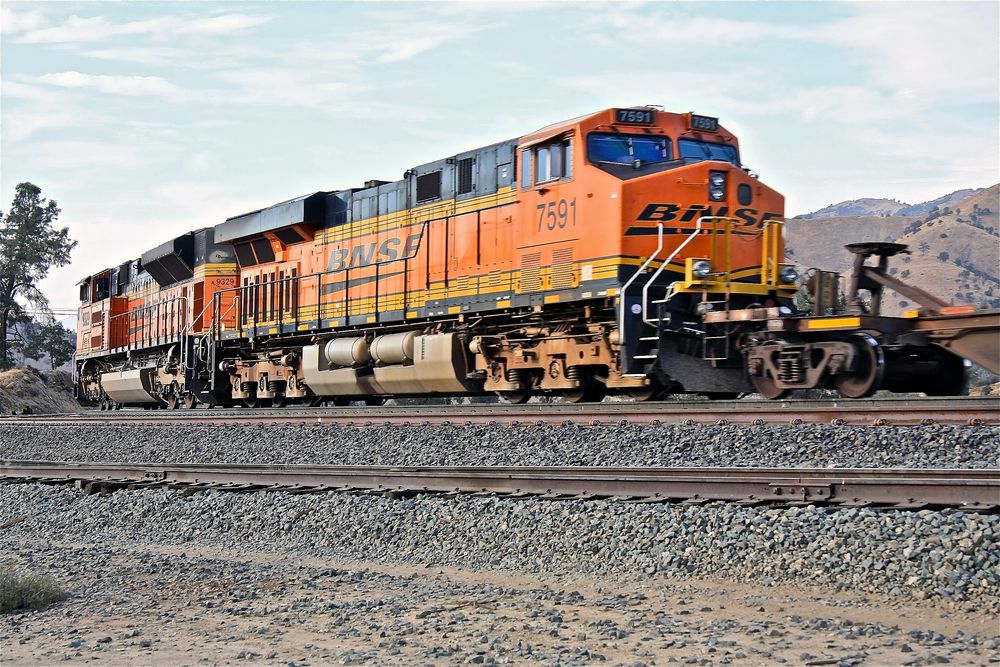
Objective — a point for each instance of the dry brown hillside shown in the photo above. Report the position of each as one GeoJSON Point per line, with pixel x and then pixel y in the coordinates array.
{"type": "Point", "coordinates": [36, 392]}
{"type": "Point", "coordinates": [955, 250]}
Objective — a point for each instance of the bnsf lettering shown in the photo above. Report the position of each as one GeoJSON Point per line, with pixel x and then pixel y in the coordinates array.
{"type": "Point", "coordinates": [672, 212]}
{"type": "Point", "coordinates": [370, 253]}
{"type": "Point", "coordinates": [362, 255]}
{"type": "Point", "coordinates": [659, 212]}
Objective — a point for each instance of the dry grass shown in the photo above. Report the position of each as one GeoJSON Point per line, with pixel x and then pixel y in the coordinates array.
{"type": "Point", "coordinates": [26, 591]}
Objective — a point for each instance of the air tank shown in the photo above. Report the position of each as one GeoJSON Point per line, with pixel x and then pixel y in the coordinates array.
{"type": "Point", "coordinates": [347, 351]}
{"type": "Point", "coordinates": [393, 348]}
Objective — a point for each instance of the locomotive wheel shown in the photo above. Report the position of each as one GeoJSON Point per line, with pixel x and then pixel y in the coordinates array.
{"type": "Point", "coordinates": [515, 397]}
{"type": "Point", "coordinates": [766, 385]}
{"type": "Point", "coordinates": [643, 394]}
{"type": "Point", "coordinates": [251, 402]}
{"type": "Point", "coordinates": [867, 377]}
{"type": "Point", "coordinates": [173, 402]}
{"type": "Point", "coordinates": [279, 401]}
{"type": "Point", "coordinates": [593, 392]}
{"type": "Point", "coordinates": [190, 401]}
{"type": "Point", "coordinates": [312, 401]}
{"type": "Point", "coordinates": [768, 388]}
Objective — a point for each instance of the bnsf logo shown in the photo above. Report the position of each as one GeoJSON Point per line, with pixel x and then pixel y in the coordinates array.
{"type": "Point", "coordinates": [673, 212]}
{"type": "Point", "coordinates": [367, 254]}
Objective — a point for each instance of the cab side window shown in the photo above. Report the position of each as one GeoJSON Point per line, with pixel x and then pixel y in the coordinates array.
{"type": "Point", "coordinates": [554, 161]}
{"type": "Point", "coordinates": [525, 169]}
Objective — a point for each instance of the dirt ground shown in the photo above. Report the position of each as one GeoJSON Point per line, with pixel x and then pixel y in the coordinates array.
{"type": "Point", "coordinates": [155, 605]}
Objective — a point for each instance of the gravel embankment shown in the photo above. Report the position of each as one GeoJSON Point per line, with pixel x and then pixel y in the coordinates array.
{"type": "Point", "coordinates": [162, 605]}
{"type": "Point", "coordinates": [819, 446]}
{"type": "Point", "coordinates": [942, 555]}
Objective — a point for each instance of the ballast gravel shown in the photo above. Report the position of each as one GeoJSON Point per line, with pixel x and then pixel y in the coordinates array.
{"type": "Point", "coordinates": [820, 446]}
{"type": "Point", "coordinates": [949, 556]}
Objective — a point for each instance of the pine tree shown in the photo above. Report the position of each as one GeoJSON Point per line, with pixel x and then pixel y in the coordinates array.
{"type": "Point", "coordinates": [51, 339]}
{"type": "Point", "coordinates": [29, 247]}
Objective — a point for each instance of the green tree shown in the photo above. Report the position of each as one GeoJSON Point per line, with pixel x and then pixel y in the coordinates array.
{"type": "Point", "coordinates": [29, 246]}
{"type": "Point", "coordinates": [54, 340]}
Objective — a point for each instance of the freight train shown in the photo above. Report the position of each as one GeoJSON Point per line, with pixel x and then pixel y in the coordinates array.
{"type": "Point", "coordinates": [628, 251]}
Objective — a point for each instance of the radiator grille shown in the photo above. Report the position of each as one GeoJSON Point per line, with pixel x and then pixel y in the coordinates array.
{"type": "Point", "coordinates": [531, 272]}
{"type": "Point", "coordinates": [562, 269]}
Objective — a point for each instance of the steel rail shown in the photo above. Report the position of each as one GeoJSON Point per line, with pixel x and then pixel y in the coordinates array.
{"type": "Point", "coordinates": [977, 490]}
{"type": "Point", "coordinates": [894, 411]}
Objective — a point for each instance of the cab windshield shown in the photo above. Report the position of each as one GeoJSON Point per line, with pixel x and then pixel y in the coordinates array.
{"type": "Point", "coordinates": [697, 151]}
{"type": "Point", "coordinates": [627, 148]}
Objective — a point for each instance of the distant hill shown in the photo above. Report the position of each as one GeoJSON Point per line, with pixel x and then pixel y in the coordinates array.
{"type": "Point", "coordinates": [888, 207]}
{"type": "Point", "coordinates": [955, 247]}
{"type": "Point", "coordinates": [941, 202]}
{"type": "Point", "coordinates": [858, 207]}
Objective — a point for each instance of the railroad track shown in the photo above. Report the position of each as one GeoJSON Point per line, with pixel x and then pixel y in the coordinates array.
{"type": "Point", "coordinates": [894, 411]}
{"type": "Point", "coordinates": [977, 490]}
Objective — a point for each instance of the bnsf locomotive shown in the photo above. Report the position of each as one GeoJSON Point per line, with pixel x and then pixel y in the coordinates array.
{"type": "Point", "coordinates": [628, 251]}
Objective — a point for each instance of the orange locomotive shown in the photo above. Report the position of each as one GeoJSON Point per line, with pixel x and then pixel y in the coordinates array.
{"type": "Point", "coordinates": [581, 259]}
{"type": "Point", "coordinates": [499, 269]}
{"type": "Point", "coordinates": [136, 321]}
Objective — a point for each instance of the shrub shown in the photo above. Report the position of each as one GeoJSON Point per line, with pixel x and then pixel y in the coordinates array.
{"type": "Point", "coordinates": [28, 591]}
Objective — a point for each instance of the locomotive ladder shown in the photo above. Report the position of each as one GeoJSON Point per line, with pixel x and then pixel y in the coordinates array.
{"type": "Point", "coordinates": [710, 344]}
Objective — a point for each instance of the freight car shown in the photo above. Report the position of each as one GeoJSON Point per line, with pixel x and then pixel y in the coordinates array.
{"type": "Point", "coordinates": [628, 251]}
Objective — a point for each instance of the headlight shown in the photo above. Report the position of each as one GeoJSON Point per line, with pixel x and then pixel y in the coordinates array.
{"type": "Point", "coordinates": [701, 269]}
{"type": "Point", "coordinates": [789, 274]}
{"type": "Point", "coordinates": [716, 185]}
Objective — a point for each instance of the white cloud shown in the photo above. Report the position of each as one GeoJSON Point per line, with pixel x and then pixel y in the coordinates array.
{"type": "Point", "coordinates": [930, 49]}
{"type": "Point", "coordinates": [146, 55]}
{"type": "Point", "coordinates": [13, 22]}
{"type": "Point", "coordinates": [76, 29]}
{"type": "Point", "coordinates": [934, 50]}
{"type": "Point", "coordinates": [19, 126]}
{"type": "Point", "coordinates": [226, 23]}
{"type": "Point", "coordinates": [112, 84]}
{"type": "Point", "coordinates": [83, 156]}
{"type": "Point", "coordinates": [287, 86]}
{"type": "Point", "coordinates": [30, 108]}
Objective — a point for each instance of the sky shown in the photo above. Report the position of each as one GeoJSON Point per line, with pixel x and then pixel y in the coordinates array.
{"type": "Point", "coordinates": [145, 119]}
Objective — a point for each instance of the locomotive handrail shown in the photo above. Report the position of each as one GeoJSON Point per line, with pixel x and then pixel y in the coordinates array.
{"type": "Point", "coordinates": [656, 274]}
{"type": "Point", "coordinates": [239, 289]}
{"type": "Point", "coordinates": [190, 327]}
{"type": "Point", "coordinates": [142, 339]}
{"type": "Point", "coordinates": [628, 283]}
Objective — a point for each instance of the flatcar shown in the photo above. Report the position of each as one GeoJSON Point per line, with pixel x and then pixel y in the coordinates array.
{"type": "Point", "coordinates": [628, 251]}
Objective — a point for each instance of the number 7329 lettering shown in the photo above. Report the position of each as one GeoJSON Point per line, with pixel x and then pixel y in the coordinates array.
{"type": "Point", "coordinates": [556, 214]}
